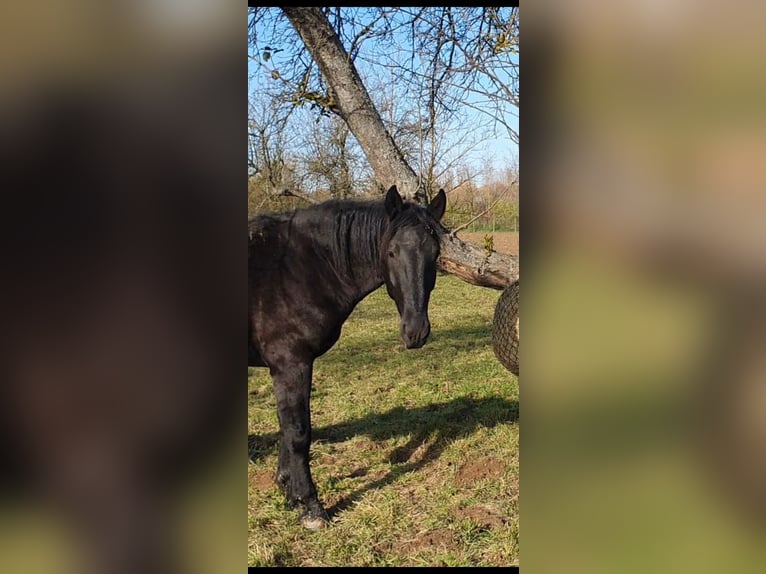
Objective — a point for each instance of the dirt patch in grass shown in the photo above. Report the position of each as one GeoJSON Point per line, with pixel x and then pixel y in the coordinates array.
{"type": "Point", "coordinates": [503, 241]}
{"type": "Point", "coordinates": [476, 470]}
{"type": "Point", "coordinates": [357, 473]}
{"type": "Point", "coordinates": [263, 480]}
{"type": "Point", "coordinates": [439, 539]}
{"type": "Point", "coordinates": [485, 516]}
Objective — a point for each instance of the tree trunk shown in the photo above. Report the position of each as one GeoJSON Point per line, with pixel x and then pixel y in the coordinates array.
{"type": "Point", "coordinates": [469, 262]}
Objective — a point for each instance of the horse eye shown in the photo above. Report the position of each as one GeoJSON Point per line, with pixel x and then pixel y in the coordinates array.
{"type": "Point", "coordinates": [390, 253]}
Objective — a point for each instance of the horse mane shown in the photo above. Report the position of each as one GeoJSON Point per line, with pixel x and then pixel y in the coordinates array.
{"type": "Point", "coordinates": [355, 229]}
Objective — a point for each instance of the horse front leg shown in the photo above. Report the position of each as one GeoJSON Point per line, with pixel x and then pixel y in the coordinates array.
{"type": "Point", "coordinates": [292, 387]}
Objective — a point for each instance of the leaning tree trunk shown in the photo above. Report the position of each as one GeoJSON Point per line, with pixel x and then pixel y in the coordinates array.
{"type": "Point", "coordinates": [465, 260]}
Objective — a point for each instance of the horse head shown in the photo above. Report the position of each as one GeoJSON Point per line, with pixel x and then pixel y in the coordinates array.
{"type": "Point", "coordinates": [409, 255]}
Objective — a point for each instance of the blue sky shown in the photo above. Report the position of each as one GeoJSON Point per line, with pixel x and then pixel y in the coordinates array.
{"type": "Point", "coordinates": [498, 148]}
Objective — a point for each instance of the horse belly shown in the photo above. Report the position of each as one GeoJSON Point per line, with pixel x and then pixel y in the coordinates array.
{"type": "Point", "coordinates": [254, 358]}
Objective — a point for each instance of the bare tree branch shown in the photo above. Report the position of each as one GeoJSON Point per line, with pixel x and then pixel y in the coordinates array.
{"type": "Point", "coordinates": [293, 193]}
{"type": "Point", "coordinates": [469, 222]}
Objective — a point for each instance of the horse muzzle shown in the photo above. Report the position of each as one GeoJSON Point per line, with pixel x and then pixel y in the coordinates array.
{"type": "Point", "coordinates": [415, 332]}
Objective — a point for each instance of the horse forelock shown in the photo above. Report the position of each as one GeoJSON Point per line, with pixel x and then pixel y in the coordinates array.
{"type": "Point", "coordinates": [412, 216]}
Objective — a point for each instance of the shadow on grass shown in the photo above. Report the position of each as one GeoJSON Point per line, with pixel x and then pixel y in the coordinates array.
{"type": "Point", "coordinates": [441, 345]}
{"type": "Point", "coordinates": [473, 335]}
{"type": "Point", "coordinates": [439, 423]}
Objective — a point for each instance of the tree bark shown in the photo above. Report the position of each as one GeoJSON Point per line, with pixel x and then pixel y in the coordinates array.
{"type": "Point", "coordinates": [474, 265]}
{"type": "Point", "coordinates": [468, 262]}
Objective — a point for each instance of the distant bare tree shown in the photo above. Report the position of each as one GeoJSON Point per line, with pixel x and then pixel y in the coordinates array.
{"type": "Point", "coordinates": [266, 143]}
{"type": "Point", "coordinates": [329, 160]}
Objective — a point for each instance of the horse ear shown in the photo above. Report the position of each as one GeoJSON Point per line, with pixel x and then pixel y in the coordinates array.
{"type": "Point", "coordinates": [393, 202]}
{"type": "Point", "coordinates": [438, 205]}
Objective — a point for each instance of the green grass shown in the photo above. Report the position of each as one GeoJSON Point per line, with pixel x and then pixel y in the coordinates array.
{"type": "Point", "coordinates": [415, 453]}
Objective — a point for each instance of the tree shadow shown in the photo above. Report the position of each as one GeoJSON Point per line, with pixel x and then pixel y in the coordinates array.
{"type": "Point", "coordinates": [441, 345]}
{"type": "Point", "coordinates": [439, 423]}
{"type": "Point", "coordinates": [467, 336]}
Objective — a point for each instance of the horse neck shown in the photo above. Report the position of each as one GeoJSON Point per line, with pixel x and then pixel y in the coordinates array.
{"type": "Point", "coordinates": [358, 248]}
{"type": "Point", "coordinates": [368, 269]}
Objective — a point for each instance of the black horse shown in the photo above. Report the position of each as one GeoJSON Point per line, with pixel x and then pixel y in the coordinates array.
{"type": "Point", "coordinates": [308, 269]}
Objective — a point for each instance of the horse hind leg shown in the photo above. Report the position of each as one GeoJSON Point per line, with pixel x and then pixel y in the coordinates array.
{"type": "Point", "coordinates": [292, 387]}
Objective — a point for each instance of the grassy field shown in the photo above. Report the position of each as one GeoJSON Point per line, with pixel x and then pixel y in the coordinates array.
{"type": "Point", "coordinates": [415, 453]}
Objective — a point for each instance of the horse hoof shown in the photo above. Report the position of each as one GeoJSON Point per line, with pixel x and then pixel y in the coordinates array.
{"type": "Point", "coordinates": [314, 516]}
{"type": "Point", "coordinates": [312, 522]}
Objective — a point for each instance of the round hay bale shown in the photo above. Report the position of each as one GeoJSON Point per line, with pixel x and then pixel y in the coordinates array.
{"type": "Point", "coordinates": [505, 328]}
